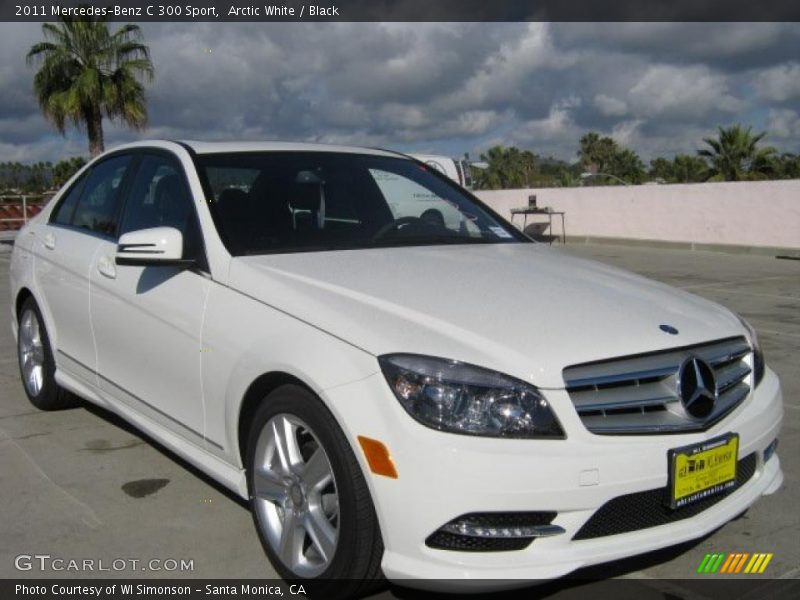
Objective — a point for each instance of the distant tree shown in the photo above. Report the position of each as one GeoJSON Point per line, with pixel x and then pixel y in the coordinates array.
{"type": "Point", "coordinates": [596, 152]}
{"type": "Point", "coordinates": [491, 178]}
{"type": "Point", "coordinates": [603, 156]}
{"type": "Point", "coordinates": [64, 169]}
{"type": "Point", "coordinates": [661, 169]}
{"type": "Point", "coordinates": [735, 155]}
{"type": "Point", "coordinates": [626, 165]}
{"type": "Point", "coordinates": [85, 72]}
{"type": "Point", "coordinates": [28, 179]}
{"type": "Point", "coordinates": [528, 166]}
{"type": "Point", "coordinates": [786, 166]}
{"type": "Point", "coordinates": [567, 178]}
{"type": "Point", "coordinates": [508, 168]}
{"type": "Point", "coordinates": [688, 169]}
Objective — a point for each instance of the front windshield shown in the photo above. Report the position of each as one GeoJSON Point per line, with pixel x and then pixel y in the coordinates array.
{"type": "Point", "coordinates": [310, 201]}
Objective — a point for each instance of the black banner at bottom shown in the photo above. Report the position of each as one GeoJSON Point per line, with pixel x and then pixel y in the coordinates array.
{"type": "Point", "coordinates": [706, 588]}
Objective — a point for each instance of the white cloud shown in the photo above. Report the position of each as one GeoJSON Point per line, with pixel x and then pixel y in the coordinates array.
{"type": "Point", "coordinates": [780, 83]}
{"type": "Point", "coordinates": [610, 107]}
{"type": "Point", "coordinates": [446, 86]}
{"type": "Point", "coordinates": [783, 123]}
{"type": "Point", "coordinates": [557, 130]}
{"type": "Point", "coordinates": [667, 90]}
{"type": "Point", "coordinates": [627, 132]}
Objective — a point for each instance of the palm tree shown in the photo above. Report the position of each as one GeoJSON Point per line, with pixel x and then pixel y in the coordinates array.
{"type": "Point", "coordinates": [86, 71]}
{"type": "Point", "coordinates": [689, 169]}
{"type": "Point", "coordinates": [735, 154]}
{"type": "Point", "coordinates": [596, 152]}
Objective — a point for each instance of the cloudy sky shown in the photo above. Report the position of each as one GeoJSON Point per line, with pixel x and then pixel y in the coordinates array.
{"type": "Point", "coordinates": [441, 87]}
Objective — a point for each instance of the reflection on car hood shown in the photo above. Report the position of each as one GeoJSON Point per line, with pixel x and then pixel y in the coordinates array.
{"type": "Point", "coordinates": [522, 309]}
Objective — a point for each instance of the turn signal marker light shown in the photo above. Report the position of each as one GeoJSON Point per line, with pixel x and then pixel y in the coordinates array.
{"type": "Point", "coordinates": [378, 458]}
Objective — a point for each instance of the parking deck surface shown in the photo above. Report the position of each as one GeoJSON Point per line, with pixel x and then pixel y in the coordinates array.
{"type": "Point", "coordinates": [82, 484]}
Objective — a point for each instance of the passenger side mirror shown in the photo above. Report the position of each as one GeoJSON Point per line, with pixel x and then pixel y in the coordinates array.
{"type": "Point", "coordinates": [157, 246]}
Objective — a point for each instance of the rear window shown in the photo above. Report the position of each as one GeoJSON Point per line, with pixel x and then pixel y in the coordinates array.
{"type": "Point", "coordinates": [97, 208]}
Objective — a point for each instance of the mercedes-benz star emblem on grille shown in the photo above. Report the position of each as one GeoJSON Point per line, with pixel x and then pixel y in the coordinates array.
{"type": "Point", "coordinates": [697, 387]}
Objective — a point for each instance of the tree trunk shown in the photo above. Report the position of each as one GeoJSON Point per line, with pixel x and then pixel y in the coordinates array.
{"type": "Point", "coordinates": [94, 129]}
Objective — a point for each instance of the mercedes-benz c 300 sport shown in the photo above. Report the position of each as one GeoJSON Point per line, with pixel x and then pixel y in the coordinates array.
{"type": "Point", "coordinates": [400, 382]}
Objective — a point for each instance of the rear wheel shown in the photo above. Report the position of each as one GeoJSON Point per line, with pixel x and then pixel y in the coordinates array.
{"type": "Point", "coordinates": [36, 364]}
{"type": "Point", "coordinates": [310, 503]}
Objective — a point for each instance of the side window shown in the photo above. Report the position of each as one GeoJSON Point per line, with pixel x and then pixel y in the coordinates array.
{"type": "Point", "coordinates": [62, 213]}
{"type": "Point", "coordinates": [97, 208]}
{"type": "Point", "coordinates": [159, 198]}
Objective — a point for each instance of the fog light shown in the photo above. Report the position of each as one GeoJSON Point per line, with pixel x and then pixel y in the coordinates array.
{"type": "Point", "coordinates": [770, 450]}
{"type": "Point", "coordinates": [466, 528]}
{"type": "Point", "coordinates": [493, 532]}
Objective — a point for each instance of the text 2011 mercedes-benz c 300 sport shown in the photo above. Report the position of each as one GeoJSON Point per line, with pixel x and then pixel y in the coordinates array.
{"type": "Point", "coordinates": [399, 381]}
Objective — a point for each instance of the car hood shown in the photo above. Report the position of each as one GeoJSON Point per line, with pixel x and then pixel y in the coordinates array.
{"type": "Point", "coordinates": [522, 309]}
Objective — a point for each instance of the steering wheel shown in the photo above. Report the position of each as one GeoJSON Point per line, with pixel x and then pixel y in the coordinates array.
{"type": "Point", "coordinates": [395, 225]}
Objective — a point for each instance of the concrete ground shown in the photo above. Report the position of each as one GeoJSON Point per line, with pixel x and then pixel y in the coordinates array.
{"type": "Point", "coordinates": [82, 484]}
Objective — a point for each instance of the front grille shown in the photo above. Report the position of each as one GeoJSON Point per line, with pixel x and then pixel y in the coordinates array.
{"type": "Point", "coordinates": [642, 510]}
{"type": "Point", "coordinates": [639, 394]}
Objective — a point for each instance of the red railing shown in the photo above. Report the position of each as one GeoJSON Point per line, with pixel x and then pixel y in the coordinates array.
{"type": "Point", "coordinates": [16, 210]}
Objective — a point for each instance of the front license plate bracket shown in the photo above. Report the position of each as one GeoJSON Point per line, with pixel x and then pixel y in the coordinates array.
{"type": "Point", "coordinates": [701, 470]}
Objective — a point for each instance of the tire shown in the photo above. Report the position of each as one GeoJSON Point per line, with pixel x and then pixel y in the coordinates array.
{"type": "Point", "coordinates": [335, 548]}
{"type": "Point", "coordinates": [36, 364]}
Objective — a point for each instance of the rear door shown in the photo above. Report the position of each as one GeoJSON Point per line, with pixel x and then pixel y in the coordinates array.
{"type": "Point", "coordinates": [65, 250]}
{"type": "Point", "coordinates": [148, 320]}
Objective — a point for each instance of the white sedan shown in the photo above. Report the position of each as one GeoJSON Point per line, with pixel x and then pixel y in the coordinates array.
{"type": "Point", "coordinates": [428, 397]}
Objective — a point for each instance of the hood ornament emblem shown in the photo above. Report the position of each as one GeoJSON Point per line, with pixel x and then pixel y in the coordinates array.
{"type": "Point", "coordinates": [697, 387]}
{"type": "Point", "coordinates": [668, 329]}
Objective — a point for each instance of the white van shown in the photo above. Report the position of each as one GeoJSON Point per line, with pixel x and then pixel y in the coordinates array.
{"type": "Point", "coordinates": [457, 170]}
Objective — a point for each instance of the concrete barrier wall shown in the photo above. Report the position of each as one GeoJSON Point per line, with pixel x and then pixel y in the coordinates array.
{"type": "Point", "coordinates": [756, 214]}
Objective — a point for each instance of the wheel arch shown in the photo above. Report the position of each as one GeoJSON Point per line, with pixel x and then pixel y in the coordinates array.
{"type": "Point", "coordinates": [23, 294]}
{"type": "Point", "coordinates": [256, 393]}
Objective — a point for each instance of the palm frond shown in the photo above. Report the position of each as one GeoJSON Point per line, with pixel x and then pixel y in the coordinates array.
{"type": "Point", "coordinates": [84, 71]}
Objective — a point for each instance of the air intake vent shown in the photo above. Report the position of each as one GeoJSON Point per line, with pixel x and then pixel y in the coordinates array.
{"type": "Point", "coordinates": [639, 394]}
{"type": "Point", "coordinates": [642, 510]}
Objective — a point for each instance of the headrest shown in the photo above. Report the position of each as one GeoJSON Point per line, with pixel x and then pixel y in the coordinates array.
{"type": "Point", "coordinates": [305, 196]}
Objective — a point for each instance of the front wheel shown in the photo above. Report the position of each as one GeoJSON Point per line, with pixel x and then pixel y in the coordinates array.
{"type": "Point", "coordinates": [309, 499]}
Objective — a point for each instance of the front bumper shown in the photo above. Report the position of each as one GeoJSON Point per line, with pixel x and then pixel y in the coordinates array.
{"type": "Point", "coordinates": [443, 476]}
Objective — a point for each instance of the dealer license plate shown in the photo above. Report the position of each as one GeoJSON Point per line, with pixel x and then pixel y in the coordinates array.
{"type": "Point", "coordinates": [702, 470]}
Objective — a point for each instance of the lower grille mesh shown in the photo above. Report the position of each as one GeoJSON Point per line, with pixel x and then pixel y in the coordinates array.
{"type": "Point", "coordinates": [642, 510]}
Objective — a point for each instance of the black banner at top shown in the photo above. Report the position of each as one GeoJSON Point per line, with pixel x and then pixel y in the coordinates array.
{"type": "Point", "coordinates": [404, 10]}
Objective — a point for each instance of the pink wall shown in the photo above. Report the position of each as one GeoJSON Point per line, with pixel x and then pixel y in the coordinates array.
{"type": "Point", "coordinates": [762, 213]}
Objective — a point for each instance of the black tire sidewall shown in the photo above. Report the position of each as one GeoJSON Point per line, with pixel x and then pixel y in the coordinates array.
{"type": "Point", "coordinates": [298, 401]}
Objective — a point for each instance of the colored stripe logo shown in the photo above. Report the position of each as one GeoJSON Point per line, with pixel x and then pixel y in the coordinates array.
{"type": "Point", "coordinates": [735, 563]}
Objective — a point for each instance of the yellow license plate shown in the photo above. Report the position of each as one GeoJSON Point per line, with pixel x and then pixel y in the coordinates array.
{"type": "Point", "coordinates": [702, 470]}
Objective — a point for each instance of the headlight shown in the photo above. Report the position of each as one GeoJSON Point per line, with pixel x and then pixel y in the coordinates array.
{"type": "Point", "coordinates": [758, 354]}
{"type": "Point", "coordinates": [460, 398]}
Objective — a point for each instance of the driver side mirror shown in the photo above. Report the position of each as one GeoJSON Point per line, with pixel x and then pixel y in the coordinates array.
{"type": "Point", "coordinates": [157, 246]}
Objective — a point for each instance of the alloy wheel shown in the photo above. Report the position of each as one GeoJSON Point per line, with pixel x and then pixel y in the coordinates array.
{"type": "Point", "coordinates": [295, 495]}
{"type": "Point", "coordinates": [31, 353]}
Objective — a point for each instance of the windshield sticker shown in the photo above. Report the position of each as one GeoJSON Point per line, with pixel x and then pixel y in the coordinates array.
{"type": "Point", "coordinates": [500, 232]}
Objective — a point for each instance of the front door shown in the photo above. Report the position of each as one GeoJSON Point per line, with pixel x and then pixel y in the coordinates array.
{"type": "Point", "coordinates": [147, 320]}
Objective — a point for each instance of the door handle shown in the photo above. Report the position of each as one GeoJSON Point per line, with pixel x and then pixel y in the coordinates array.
{"type": "Point", "coordinates": [106, 267]}
{"type": "Point", "coordinates": [49, 241]}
